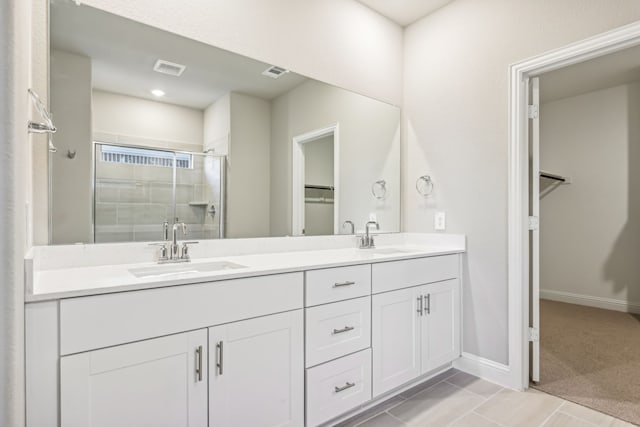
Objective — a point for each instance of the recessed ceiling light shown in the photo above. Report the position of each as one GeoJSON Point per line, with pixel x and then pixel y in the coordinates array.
{"type": "Point", "coordinates": [157, 92]}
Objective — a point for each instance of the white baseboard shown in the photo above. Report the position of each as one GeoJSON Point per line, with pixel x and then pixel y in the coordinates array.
{"type": "Point", "coordinates": [486, 369]}
{"type": "Point", "coordinates": [591, 301]}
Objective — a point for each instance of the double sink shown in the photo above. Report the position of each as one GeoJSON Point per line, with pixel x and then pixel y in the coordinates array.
{"type": "Point", "coordinates": [168, 270]}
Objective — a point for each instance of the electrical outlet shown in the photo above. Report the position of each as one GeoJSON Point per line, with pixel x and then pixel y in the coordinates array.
{"type": "Point", "coordinates": [373, 217]}
{"type": "Point", "coordinates": [440, 221]}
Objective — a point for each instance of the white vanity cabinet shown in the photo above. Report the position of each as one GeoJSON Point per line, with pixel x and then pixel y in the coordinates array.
{"type": "Point", "coordinates": [415, 328]}
{"type": "Point", "coordinates": [294, 349]}
{"type": "Point", "coordinates": [153, 383]}
{"type": "Point", "coordinates": [256, 372]}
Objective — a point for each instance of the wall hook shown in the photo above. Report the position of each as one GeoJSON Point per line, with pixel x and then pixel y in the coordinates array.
{"type": "Point", "coordinates": [71, 154]}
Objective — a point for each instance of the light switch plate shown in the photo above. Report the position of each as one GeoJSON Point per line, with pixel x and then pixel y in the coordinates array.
{"type": "Point", "coordinates": [440, 221]}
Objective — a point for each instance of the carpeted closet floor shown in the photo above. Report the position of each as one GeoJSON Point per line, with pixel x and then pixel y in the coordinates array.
{"type": "Point", "coordinates": [591, 356]}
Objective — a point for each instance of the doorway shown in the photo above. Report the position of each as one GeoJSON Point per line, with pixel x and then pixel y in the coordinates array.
{"type": "Point", "coordinates": [315, 182]}
{"type": "Point", "coordinates": [569, 169]}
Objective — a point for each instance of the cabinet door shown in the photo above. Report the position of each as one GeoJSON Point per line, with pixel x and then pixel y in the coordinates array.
{"type": "Point", "coordinates": [257, 372]}
{"type": "Point", "coordinates": [395, 343]}
{"type": "Point", "coordinates": [441, 324]}
{"type": "Point", "coordinates": [158, 382]}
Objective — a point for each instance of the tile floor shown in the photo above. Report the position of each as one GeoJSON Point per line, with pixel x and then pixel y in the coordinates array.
{"type": "Point", "coordinates": [458, 399]}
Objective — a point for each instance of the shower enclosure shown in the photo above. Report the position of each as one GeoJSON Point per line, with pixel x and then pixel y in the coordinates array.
{"type": "Point", "coordinates": [137, 189]}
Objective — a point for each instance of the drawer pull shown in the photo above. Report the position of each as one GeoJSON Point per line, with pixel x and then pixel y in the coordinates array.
{"type": "Point", "coordinates": [345, 329]}
{"type": "Point", "coordinates": [341, 284]}
{"type": "Point", "coordinates": [348, 385]}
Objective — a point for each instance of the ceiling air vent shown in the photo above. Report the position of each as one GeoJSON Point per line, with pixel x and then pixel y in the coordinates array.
{"type": "Point", "coordinates": [170, 68]}
{"type": "Point", "coordinates": [274, 72]}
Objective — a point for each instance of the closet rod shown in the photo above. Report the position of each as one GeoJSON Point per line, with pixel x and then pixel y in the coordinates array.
{"type": "Point", "coordinates": [319, 187]}
{"type": "Point", "coordinates": [552, 176]}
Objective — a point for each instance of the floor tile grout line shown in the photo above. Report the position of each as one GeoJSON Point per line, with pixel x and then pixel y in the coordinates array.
{"type": "Point", "coordinates": [552, 413]}
{"type": "Point", "coordinates": [473, 392]}
{"type": "Point", "coordinates": [473, 410]}
{"type": "Point", "coordinates": [397, 419]}
{"type": "Point", "coordinates": [576, 417]}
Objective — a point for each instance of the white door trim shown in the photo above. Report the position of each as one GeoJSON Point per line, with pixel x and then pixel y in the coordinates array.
{"type": "Point", "coordinates": [297, 177]}
{"type": "Point", "coordinates": [518, 175]}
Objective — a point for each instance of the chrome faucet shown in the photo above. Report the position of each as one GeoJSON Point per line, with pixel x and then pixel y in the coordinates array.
{"type": "Point", "coordinates": [176, 252]}
{"type": "Point", "coordinates": [366, 240]}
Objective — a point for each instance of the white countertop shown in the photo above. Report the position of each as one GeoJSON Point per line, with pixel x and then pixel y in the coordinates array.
{"type": "Point", "coordinates": [75, 281]}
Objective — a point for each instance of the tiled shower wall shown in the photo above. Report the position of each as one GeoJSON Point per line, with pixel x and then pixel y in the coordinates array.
{"type": "Point", "coordinates": [132, 201]}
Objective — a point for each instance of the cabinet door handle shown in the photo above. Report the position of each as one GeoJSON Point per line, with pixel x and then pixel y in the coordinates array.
{"type": "Point", "coordinates": [345, 329]}
{"type": "Point", "coordinates": [220, 349]}
{"type": "Point", "coordinates": [199, 363]}
{"type": "Point", "coordinates": [341, 284]}
{"type": "Point", "coordinates": [347, 385]}
{"type": "Point", "coordinates": [428, 307]}
{"type": "Point", "coordinates": [419, 305]}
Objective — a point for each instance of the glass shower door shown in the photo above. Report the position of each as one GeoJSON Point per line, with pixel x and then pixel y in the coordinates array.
{"type": "Point", "coordinates": [133, 193]}
{"type": "Point", "coordinates": [200, 196]}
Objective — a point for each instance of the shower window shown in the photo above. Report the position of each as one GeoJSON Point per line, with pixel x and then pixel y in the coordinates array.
{"type": "Point", "coordinates": [145, 156]}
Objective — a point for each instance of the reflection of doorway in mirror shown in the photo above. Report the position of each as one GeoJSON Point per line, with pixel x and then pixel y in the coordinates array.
{"type": "Point", "coordinates": [315, 201]}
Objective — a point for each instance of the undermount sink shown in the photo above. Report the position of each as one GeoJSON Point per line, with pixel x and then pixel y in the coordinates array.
{"type": "Point", "coordinates": [185, 268]}
{"type": "Point", "coordinates": [386, 251]}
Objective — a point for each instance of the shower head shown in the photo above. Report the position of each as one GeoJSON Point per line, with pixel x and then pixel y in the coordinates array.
{"type": "Point", "coordinates": [209, 150]}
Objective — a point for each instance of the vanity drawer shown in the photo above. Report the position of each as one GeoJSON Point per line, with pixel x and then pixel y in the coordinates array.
{"type": "Point", "coordinates": [389, 276]}
{"type": "Point", "coordinates": [338, 386]}
{"type": "Point", "coordinates": [333, 330]}
{"type": "Point", "coordinates": [336, 284]}
{"type": "Point", "coordinates": [87, 323]}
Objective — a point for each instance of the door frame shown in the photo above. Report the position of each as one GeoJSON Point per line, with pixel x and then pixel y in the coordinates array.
{"type": "Point", "coordinates": [518, 179]}
{"type": "Point", "coordinates": [297, 176]}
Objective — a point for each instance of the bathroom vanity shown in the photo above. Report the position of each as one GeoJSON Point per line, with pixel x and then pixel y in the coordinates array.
{"type": "Point", "coordinates": [285, 338]}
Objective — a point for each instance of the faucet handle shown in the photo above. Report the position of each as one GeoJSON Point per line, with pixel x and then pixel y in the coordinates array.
{"type": "Point", "coordinates": [163, 251]}
{"type": "Point", "coordinates": [185, 250]}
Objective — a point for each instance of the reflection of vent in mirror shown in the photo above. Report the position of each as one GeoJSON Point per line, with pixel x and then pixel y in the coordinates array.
{"type": "Point", "coordinates": [170, 68]}
{"type": "Point", "coordinates": [143, 156]}
{"type": "Point", "coordinates": [274, 72]}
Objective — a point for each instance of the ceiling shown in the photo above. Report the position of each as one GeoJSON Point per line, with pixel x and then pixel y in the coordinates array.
{"type": "Point", "coordinates": [404, 12]}
{"type": "Point", "coordinates": [123, 53]}
{"type": "Point", "coordinates": [600, 73]}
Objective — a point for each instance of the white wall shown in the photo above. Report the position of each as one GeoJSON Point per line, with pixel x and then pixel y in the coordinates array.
{"type": "Point", "coordinates": [123, 115]}
{"type": "Point", "coordinates": [248, 173]}
{"type": "Point", "coordinates": [455, 128]}
{"type": "Point", "coordinates": [590, 229]}
{"type": "Point", "coordinates": [15, 189]}
{"type": "Point", "coordinates": [369, 138]}
{"type": "Point", "coordinates": [217, 125]}
{"type": "Point", "coordinates": [71, 188]}
{"type": "Point", "coordinates": [337, 41]}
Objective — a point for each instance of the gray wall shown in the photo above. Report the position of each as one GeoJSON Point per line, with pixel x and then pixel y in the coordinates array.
{"type": "Point", "coordinates": [590, 229]}
{"type": "Point", "coordinates": [248, 174]}
{"type": "Point", "coordinates": [71, 194]}
{"type": "Point", "coordinates": [455, 125]}
{"type": "Point", "coordinates": [369, 138]}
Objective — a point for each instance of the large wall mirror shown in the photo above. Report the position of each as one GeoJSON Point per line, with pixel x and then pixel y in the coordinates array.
{"type": "Point", "coordinates": [155, 127]}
